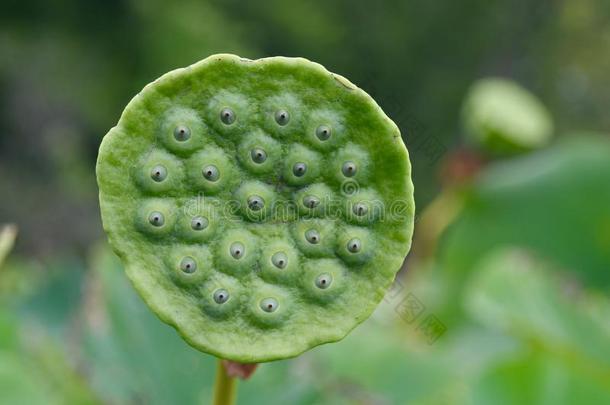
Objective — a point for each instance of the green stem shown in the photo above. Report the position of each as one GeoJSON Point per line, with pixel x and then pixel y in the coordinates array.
{"type": "Point", "coordinates": [224, 387]}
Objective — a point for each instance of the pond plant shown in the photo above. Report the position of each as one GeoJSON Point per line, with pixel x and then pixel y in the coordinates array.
{"type": "Point", "coordinates": [260, 207]}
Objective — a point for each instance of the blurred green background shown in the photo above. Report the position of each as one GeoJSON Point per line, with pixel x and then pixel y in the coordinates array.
{"type": "Point", "coordinates": [504, 298]}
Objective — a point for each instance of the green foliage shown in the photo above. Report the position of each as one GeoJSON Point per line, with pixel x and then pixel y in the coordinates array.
{"type": "Point", "coordinates": [555, 202]}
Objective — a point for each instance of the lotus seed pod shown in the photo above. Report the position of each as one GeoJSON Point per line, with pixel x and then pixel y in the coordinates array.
{"type": "Point", "coordinates": [251, 204]}
{"type": "Point", "coordinates": [504, 118]}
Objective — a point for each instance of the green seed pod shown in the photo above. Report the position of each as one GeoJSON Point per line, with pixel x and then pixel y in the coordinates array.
{"type": "Point", "coordinates": [240, 197]}
{"type": "Point", "coordinates": [503, 118]}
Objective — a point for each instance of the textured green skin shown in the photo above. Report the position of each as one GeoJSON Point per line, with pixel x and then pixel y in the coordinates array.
{"type": "Point", "coordinates": [239, 330]}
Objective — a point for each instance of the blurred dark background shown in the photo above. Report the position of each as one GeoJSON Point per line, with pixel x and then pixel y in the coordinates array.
{"type": "Point", "coordinates": [67, 70]}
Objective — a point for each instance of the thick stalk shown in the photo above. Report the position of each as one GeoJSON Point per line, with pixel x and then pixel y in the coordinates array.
{"type": "Point", "coordinates": [225, 387]}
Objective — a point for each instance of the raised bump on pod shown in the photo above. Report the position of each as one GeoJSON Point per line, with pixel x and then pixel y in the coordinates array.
{"type": "Point", "coordinates": [189, 264]}
{"type": "Point", "coordinates": [182, 131]}
{"type": "Point", "coordinates": [314, 200]}
{"type": "Point", "coordinates": [259, 153]}
{"type": "Point", "coordinates": [282, 114]}
{"type": "Point", "coordinates": [155, 217]}
{"type": "Point", "coordinates": [355, 245]}
{"type": "Point", "coordinates": [364, 207]}
{"type": "Point", "coordinates": [211, 171]}
{"type": "Point", "coordinates": [315, 237]}
{"type": "Point", "coordinates": [323, 279]}
{"type": "Point", "coordinates": [255, 200]}
{"type": "Point", "coordinates": [324, 130]}
{"type": "Point", "coordinates": [268, 305]}
{"type": "Point", "coordinates": [229, 113]}
{"type": "Point", "coordinates": [199, 219]}
{"type": "Point", "coordinates": [220, 296]}
{"type": "Point", "coordinates": [237, 252]}
{"type": "Point", "coordinates": [158, 172]}
{"type": "Point", "coordinates": [301, 166]}
{"type": "Point", "coordinates": [350, 163]}
{"type": "Point", "coordinates": [279, 260]}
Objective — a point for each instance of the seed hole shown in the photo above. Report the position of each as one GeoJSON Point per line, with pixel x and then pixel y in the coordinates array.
{"type": "Point", "coordinates": [360, 209]}
{"type": "Point", "coordinates": [211, 173]}
{"type": "Point", "coordinates": [324, 280]}
{"type": "Point", "coordinates": [182, 133]}
{"type": "Point", "coordinates": [188, 265]}
{"type": "Point", "coordinates": [282, 117]}
{"type": "Point", "coordinates": [299, 169]}
{"type": "Point", "coordinates": [349, 169]}
{"type": "Point", "coordinates": [256, 203]}
{"type": "Point", "coordinates": [237, 250]}
{"type": "Point", "coordinates": [311, 201]}
{"type": "Point", "coordinates": [354, 245]}
{"type": "Point", "coordinates": [258, 155]}
{"type": "Point", "coordinates": [156, 218]}
{"type": "Point", "coordinates": [221, 296]}
{"type": "Point", "coordinates": [227, 116]}
{"type": "Point", "coordinates": [199, 223]}
{"type": "Point", "coordinates": [323, 132]}
{"type": "Point", "coordinates": [158, 173]}
{"type": "Point", "coordinates": [279, 260]}
{"type": "Point", "coordinates": [269, 304]}
{"type": "Point", "coordinates": [312, 236]}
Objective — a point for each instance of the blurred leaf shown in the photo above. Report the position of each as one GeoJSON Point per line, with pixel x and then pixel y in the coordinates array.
{"type": "Point", "coordinates": [555, 202]}
{"type": "Point", "coordinates": [134, 357]}
{"type": "Point", "coordinates": [566, 358]}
